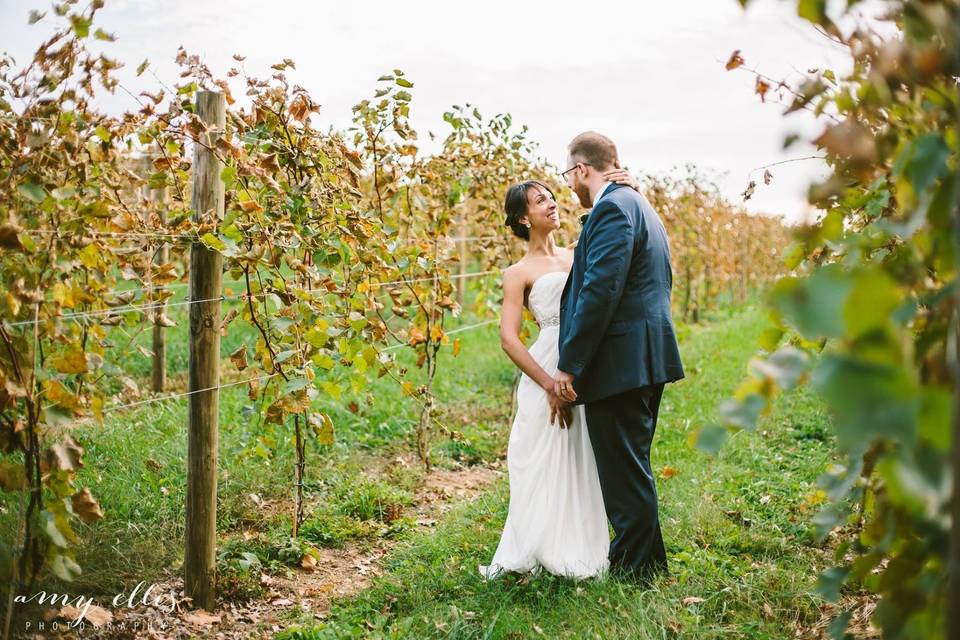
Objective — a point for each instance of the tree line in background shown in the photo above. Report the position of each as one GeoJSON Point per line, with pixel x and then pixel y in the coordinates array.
{"type": "Point", "coordinates": [344, 245]}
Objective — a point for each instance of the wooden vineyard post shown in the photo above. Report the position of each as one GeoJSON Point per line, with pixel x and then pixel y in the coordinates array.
{"type": "Point", "coordinates": [205, 294]}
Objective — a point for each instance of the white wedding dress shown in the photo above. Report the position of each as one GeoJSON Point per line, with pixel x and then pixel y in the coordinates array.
{"type": "Point", "coordinates": [556, 520]}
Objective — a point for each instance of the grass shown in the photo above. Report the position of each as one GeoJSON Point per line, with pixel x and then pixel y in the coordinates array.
{"type": "Point", "coordinates": [743, 559]}
{"type": "Point", "coordinates": [135, 464]}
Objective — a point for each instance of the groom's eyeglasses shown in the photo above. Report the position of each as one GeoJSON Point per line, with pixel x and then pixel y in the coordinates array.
{"type": "Point", "coordinates": [564, 174]}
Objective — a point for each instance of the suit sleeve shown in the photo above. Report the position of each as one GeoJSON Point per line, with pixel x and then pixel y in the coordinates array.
{"type": "Point", "coordinates": [609, 251]}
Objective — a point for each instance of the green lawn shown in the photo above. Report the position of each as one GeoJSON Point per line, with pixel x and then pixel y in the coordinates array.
{"type": "Point", "coordinates": [135, 464]}
{"type": "Point", "coordinates": [743, 559]}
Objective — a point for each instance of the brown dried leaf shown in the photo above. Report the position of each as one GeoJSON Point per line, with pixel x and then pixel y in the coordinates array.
{"type": "Point", "coordinates": [9, 237]}
{"type": "Point", "coordinates": [736, 60]}
{"type": "Point", "coordinates": [416, 337]}
{"type": "Point", "coordinates": [201, 618]}
{"type": "Point", "coordinates": [97, 616]}
{"type": "Point", "coordinates": [230, 317]}
{"type": "Point", "coordinates": [86, 506]}
{"type": "Point", "coordinates": [301, 107]}
{"type": "Point", "coordinates": [66, 456]}
{"type": "Point", "coordinates": [354, 158]}
{"type": "Point", "coordinates": [163, 320]}
{"type": "Point", "coordinates": [131, 386]}
{"type": "Point", "coordinates": [253, 388]}
{"type": "Point", "coordinates": [761, 89]}
{"type": "Point", "coordinates": [849, 139]}
{"type": "Point", "coordinates": [239, 358]}
{"type": "Point", "coordinates": [164, 162]}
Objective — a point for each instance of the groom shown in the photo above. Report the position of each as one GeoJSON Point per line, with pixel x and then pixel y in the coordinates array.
{"type": "Point", "coordinates": [618, 347]}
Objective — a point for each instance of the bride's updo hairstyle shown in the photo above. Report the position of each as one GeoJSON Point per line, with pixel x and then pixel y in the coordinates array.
{"type": "Point", "coordinates": [515, 204]}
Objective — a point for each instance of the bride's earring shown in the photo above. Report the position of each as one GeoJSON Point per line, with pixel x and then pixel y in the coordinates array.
{"type": "Point", "coordinates": [527, 225]}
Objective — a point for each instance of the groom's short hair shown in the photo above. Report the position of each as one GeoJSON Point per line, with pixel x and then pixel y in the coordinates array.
{"type": "Point", "coordinates": [595, 149]}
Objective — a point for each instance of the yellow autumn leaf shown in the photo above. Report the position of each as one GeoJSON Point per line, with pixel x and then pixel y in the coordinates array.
{"type": "Point", "coordinates": [332, 389]}
{"type": "Point", "coordinates": [90, 256]}
{"type": "Point", "coordinates": [322, 427]}
{"type": "Point", "coordinates": [59, 395]}
{"type": "Point", "coordinates": [96, 404]}
{"type": "Point", "coordinates": [63, 295]}
{"type": "Point", "coordinates": [72, 361]}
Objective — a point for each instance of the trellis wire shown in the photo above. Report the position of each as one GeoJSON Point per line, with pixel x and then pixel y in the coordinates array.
{"type": "Point", "coordinates": [194, 238]}
{"type": "Point", "coordinates": [449, 333]}
{"type": "Point", "coordinates": [174, 396]}
{"type": "Point", "coordinates": [243, 296]}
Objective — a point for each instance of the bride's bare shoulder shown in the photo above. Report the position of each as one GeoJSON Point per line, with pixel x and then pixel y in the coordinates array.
{"type": "Point", "coordinates": [514, 272]}
{"type": "Point", "coordinates": [516, 276]}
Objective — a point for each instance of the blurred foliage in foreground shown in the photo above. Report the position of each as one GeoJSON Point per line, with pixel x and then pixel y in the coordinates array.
{"type": "Point", "coordinates": [869, 319]}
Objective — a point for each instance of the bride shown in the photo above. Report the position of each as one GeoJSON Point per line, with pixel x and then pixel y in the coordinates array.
{"type": "Point", "coordinates": [556, 520]}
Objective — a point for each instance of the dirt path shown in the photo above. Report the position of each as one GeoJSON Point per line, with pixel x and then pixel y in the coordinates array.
{"type": "Point", "coordinates": [339, 573]}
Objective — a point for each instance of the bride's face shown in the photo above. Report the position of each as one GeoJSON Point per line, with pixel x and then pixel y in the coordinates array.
{"type": "Point", "coordinates": [542, 212]}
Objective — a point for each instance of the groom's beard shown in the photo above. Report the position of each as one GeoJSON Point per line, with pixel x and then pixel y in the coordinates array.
{"type": "Point", "coordinates": [583, 194]}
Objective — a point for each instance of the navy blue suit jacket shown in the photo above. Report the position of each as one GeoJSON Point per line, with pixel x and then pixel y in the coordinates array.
{"type": "Point", "coordinates": [616, 327]}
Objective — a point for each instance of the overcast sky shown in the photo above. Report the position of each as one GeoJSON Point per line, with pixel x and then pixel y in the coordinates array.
{"type": "Point", "coordinates": [649, 74]}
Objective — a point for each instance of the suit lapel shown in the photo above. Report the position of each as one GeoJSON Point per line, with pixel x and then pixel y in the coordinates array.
{"type": "Point", "coordinates": [578, 251]}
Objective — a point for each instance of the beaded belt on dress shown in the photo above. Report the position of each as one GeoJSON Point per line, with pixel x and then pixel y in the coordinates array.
{"type": "Point", "coordinates": [552, 321]}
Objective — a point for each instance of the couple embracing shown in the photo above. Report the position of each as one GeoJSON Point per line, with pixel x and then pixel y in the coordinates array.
{"type": "Point", "coordinates": [591, 383]}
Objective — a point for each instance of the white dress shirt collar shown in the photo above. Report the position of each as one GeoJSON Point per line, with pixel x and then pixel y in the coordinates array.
{"type": "Point", "coordinates": [600, 193]}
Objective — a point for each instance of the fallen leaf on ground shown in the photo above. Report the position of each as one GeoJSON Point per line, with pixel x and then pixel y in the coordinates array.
{"type": "Point", "coordinates": [97, 616]}
{"type": "Point", "coordinates": [201, 617]}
